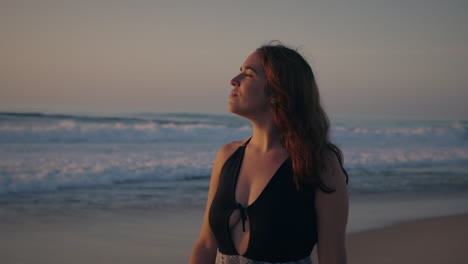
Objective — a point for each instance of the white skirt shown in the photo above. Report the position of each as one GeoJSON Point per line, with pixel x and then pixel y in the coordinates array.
{"type": "Point", "coordinates": [236, 259]}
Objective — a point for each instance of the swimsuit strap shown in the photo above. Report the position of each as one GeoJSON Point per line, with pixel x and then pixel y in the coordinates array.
{"type": "Point", "coordinates": [243, 210]}
{"type": "Point", "coordinates": [247, 142]}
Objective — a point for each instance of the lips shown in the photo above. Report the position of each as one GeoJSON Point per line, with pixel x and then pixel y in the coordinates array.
{"type": "Point", "coordinates": [233, 94]}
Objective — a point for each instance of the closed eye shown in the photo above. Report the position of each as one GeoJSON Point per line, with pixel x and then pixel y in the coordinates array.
{"type": "Point", "coordinates": [248, 69]}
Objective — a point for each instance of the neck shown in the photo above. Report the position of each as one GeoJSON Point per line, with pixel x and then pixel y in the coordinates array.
{"type": "Point", "coordinates": [266, 135]}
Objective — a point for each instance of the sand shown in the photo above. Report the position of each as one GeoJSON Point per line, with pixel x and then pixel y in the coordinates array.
{"type": "Point", "coordinates": [167, 237]}
{"type": "Point", "coordinates": [437, 240]}
{"type": "Point", "coordinates": [96, 237]}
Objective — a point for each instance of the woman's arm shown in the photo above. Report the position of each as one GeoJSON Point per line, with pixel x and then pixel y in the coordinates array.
{"type": "Point", "coordinates": [204, 250]}
{"type": "Point", "coordinates": [332, 214]}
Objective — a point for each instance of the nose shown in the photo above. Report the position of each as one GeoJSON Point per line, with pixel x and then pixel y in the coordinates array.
{"type": "Point", "coordinates": [235, 81]}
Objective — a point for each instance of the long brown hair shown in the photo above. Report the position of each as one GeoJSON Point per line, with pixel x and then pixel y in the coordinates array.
{"type": "Point", "coordinates": [298, 114]}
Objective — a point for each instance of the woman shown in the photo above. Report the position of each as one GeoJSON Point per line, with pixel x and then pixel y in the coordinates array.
{"type": "Point", "coordinates": [275, 195]}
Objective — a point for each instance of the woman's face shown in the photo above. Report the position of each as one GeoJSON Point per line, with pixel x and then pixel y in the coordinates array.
{"type": "Point", "coordinates": [248, 93]}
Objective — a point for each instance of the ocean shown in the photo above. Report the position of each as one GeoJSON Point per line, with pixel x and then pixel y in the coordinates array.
{"type": "Point", "coordinates": [144, 161]}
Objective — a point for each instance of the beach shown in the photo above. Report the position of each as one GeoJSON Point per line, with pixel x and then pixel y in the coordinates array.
{"type": "Point", "coordinates": [132, 188]}
{"type": "Point", "coordinates": [436, 240]}
{"type": "Point", "coordinates": [167, 235]}
{"type": "Point", "coordinates": [113, 115]}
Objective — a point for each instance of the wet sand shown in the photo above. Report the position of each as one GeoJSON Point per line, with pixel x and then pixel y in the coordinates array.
{"type": "Point", "coordinates": [437, 240]}
{"type": "Point", "coordinates": [148, 240]}
{"type": "Point", "coordinates": [383, 228]}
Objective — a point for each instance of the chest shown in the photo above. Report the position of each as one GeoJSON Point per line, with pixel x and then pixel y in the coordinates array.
{"type": "Point", "coordinates": [255, 174]}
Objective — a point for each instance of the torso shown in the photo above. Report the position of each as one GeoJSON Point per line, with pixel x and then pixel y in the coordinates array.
{"type": "Point", "coordinates": [278, 217]}
{"type": "Point", "coordinates": [255, 173]}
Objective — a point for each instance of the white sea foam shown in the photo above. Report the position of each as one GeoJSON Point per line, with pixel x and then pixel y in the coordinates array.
{"type": "Point", "coordinates": [47, 153]}
{"type": "Point", "coordinates": [58, 168]}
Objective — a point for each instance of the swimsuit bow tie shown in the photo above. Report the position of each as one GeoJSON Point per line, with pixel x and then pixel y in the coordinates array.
{"type": "Point", "coordinates": [243, 211]}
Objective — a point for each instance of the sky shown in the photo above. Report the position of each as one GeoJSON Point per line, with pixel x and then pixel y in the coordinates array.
{"type": "Point", "coordinates": [401, 58]}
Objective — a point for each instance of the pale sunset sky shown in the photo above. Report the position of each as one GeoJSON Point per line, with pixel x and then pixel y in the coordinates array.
{"type": "Point", "coordinates": [402, 58]}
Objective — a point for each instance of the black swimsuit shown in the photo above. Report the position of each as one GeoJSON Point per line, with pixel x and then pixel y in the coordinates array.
{"type": "Point", "coordinates": [282, 220]}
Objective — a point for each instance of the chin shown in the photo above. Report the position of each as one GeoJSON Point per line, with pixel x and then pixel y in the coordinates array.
{"type": "Point", "coordinates": [232, 108]}
{"type": "Point", "coordinates": [237, 111]}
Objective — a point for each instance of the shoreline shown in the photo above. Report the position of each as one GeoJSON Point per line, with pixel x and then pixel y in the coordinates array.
{"type": "Point", "coordinates": [167, 235]}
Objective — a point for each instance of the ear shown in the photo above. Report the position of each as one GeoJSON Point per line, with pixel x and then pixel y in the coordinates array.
{"type": "Point", "coordinates": [273, 100]}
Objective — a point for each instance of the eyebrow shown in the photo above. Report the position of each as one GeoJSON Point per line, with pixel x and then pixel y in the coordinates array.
{"type": "Point", "coordinates": [249, 68]}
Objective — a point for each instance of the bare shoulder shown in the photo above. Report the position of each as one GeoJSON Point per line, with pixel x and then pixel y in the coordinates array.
{"type": "Point", "coordinates": [333, 175]}
{"type": "Point", "coordinates": [229, 148]}
{"type": "Point", "coordinates": [226, 151]}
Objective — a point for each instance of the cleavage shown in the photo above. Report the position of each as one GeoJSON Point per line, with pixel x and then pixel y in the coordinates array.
{"type": "Point", "coordinates": [247, 191]}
